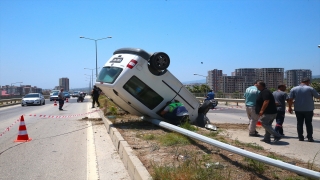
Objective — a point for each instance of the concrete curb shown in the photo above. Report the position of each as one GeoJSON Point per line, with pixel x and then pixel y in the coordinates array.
{"type": "Point", "coordinates": [136, 169]}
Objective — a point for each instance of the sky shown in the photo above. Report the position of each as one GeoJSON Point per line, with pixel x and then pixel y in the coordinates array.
{"type": "Point", "coordinates": [39, 40]}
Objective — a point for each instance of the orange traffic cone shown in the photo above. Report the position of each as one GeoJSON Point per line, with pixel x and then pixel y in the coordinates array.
{"type": "Point", "coordinates": [55, 103]}
{"type": "Point", "coordinates": [67, 100]}
{"type": "Point", "coordinates": [259, 123]}
{"type": "Point", "coordinates": [23, 135]}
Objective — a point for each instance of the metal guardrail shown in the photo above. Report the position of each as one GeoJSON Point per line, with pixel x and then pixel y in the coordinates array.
{"type": "Point", "coordinates": [316, 104]}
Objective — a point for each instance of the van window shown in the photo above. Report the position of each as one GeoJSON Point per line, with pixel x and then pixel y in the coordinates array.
{"type": "Point", "coordinates": [109, 74]}
{"type": "Point", "coordinates": [143, 93]}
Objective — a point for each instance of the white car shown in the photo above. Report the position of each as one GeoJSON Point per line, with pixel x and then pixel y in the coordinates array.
{"type": "Point", "coordinates": [33, 99]}
{"type": "Point", "coordinates": [139, 83]}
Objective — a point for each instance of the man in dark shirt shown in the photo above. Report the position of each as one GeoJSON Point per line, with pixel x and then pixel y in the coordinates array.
{"type": "Point", "coordinates": [267, 110]}
{"type": "Point", "coordinates": [95, 95]}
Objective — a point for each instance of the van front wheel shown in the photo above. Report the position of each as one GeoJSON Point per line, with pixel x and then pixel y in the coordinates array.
{"type": "Point", "coordinates": [160, 61]}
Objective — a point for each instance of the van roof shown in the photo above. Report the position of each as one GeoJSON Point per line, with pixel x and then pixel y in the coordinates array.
{"type": "Point", "coordinates": [136, 51]}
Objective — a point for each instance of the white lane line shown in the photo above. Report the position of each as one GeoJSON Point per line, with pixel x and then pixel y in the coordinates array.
{"type": "Point", "coordinates": [92, 170]}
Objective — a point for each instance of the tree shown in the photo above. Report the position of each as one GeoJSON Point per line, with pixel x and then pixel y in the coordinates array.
{"type": "Point", "coordinates": [272, 89]}
{"type": "Point", "coordinates": [204, 88]}
{"type": "Point", "coordinates": [316, 86]}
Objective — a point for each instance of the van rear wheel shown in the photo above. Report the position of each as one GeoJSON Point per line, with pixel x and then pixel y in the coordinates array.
{"type": "Point", "coordinates": [159, 61]}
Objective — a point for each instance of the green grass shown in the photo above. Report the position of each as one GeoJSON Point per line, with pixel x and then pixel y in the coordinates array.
{"type": "Point", "coordinates": [257, 166]}
{"type": "Point", "coordinates": [250, 145]}
{"type": "Point", "coordinates": [191, 169]}
{"type": "Point", "coordinates": [148, 137]}
{"type": "Point", "coordinates": [188, 126]}
{"type": "Point", "coordinates": [171, 139]}
{"type": "Point", "coordinates": [274, 156]}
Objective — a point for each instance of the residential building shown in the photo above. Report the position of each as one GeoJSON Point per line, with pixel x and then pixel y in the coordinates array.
{"type": "Point", "coordinates": [212, 79]}
{"type": "Point", "coordinates": [295, 76]}
{"type": "Point", "coordinates": [271, 76]}
{"type": "Point", "coordinates": [231, 84]}
{"type": "Point", "coordinates": [250, 74]}
{"type": "Point", "coordinates": [64, 82]}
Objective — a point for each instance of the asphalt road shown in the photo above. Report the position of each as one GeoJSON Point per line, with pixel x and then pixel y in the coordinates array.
{"type": "Point", "coordinates": [289, 145]}
{"type": "Point", "coordinates": [61, 148]}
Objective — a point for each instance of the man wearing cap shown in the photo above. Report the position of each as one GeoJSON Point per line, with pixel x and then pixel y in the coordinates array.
{"type": "Point", "coordinates": [61, 99]}
{"type": "Point", "coordinates": [303, 106]}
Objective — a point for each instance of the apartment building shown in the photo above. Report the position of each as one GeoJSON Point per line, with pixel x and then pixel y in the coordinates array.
{"type": "Point", "coordinates": [295, 76]}
{"type": "Point", "coordinates": [64, 82]}
{"type": "Point", "coordinates": [271, 76]}
{"type": "Point", "coordinates": [212, 79]}
{"type": "Point", "coordinates": [231, 84]}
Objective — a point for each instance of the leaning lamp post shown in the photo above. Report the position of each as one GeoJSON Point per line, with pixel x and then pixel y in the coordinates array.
{"type": "Point", "coordinates": [95, 41]}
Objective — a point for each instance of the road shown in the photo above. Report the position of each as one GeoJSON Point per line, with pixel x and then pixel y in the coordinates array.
{"type": "Point", "coordinates": [289, 145]}
{"type": "Point", "coordinates": [61, 148]}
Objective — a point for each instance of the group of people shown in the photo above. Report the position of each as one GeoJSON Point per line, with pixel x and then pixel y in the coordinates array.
{"type": "Point", "coordinates": [262, 104]}
{"type": "Point", "coordinates": [94, 93]}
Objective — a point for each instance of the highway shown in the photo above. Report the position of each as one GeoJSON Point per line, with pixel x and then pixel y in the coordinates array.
{"type": "Point", "coordinates": [61, 148]}
{"type": "Point", "coordinates": [289, 145]}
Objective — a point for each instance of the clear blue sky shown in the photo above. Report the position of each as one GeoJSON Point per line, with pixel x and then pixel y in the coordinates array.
{"type": "Point", "coordinates": [39, 40]}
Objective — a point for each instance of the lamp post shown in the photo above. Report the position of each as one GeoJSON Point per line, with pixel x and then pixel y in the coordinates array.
{"type": "Point", "coordinates": [91, 76]}
{"type": "Point", "coordinates": [95, 41]}
{"type": "Point", "coordinates": [90, 80]}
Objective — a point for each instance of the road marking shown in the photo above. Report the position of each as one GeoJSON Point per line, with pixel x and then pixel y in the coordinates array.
{"type": "Point", "coordinates": [92, 170]}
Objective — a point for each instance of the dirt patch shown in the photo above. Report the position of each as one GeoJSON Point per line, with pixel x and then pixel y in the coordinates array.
{"type": "Point", "coordinates": [168, 155]}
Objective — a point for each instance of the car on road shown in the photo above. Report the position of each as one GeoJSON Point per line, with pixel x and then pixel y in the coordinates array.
{"type": "Point", "coordinates": [76, 94]}
{"type": "Point", "coordinates": [66, 95]}
{"type": "Point", "coordinates": [54, 96]}
{"type": "Point", "coordinates": [33, 99]}
{"type": "Point", "coordinates": [140, 83]}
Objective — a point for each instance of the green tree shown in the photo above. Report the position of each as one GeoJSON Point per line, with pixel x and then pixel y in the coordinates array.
{"type": "Point", "coordinates": [204, 88]}
{"type": "Point", "coordinates": [272, 89]}
{"type": "Point", "coordinates": [316, 86]}
{"type": "Point", "coordinates": [196, 89]}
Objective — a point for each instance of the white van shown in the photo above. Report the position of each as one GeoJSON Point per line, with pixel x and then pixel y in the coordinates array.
{"type": "Point", "coordinates": [139, 83]}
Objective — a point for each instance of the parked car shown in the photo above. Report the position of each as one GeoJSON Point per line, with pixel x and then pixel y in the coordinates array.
{"type": "Point", "coordinates": [33, 99]}
{"type": "Point", "coordinates": [54, 96]}
{"type": "Point", "coordinates": [139, 83]}
{"type": "Point", "coordinates": [66, 95]}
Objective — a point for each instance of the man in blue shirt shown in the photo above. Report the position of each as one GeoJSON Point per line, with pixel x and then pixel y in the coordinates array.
{"type": "Point", "coordinates": [250, 96]}
{"type": "Point", "coordinates": [303, 106]}
{"type": "Point", "coordinates": [210, 95]}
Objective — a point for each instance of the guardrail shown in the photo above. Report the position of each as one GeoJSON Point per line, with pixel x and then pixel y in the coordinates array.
{"type": "Point", "coordinates": [201, 99]}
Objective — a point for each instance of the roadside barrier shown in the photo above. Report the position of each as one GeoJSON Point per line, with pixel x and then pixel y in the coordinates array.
{"type": "Point", "coordinates": [47, 116]}
{"type": "Point", "coordinates": [55, 103]}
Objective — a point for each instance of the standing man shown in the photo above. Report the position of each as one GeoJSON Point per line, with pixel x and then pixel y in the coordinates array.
{"type": "Point", "coordinates": [61, 99]}
{"type": "Point", "coordinates": [280, 97]}
{"type": "Point", "coordinates": [176, 113]}
{"type": "Point", "coordinates": [95, 95]}
{"type": "Point", "coordinates": [267, 110]}
{"type": "Point", "coordinates": [303, 107]}
{"type": "Point", "coordinates": [250, 96]}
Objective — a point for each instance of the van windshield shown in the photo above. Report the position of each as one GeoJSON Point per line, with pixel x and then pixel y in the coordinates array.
{"type": "Point", "coordinates": [109, 74]}
{"type": "Point", "coordinates": [143, 92]}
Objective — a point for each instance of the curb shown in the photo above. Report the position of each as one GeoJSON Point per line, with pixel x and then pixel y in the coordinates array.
{"type": "Point", "coordinates": [136, 169]}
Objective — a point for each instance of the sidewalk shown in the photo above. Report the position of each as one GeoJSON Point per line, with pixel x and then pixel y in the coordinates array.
{"type": "Point", "coordinates": [104, 162]}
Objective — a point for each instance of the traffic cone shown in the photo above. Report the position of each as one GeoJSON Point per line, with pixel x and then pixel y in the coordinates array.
{"type": "Point", "coordinates": [259, 123]}
{"type": "Point", "coordinates": [55, 103]}
{"type": "Point", "coordinates": [23, 135]}
{"type": "Point", "coordinates": [67, 100]}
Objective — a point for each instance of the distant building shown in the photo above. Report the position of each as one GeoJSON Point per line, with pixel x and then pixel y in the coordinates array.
{"type": "Point", "coordinates": [250, 74]}
{"type": "Point", "coordinates": [64, 83]}
{"type": "Point", "coordinates": [212, 79]}
{"type": "Point", "coordinates": [233, 73]}
{"type": "Point", "coordinates": [295, 76]}
{"type": "Point", "coordinates": [271, 76]}
{"type": "Point", "coordinates": [231, 84]}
